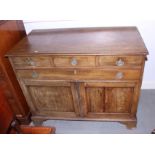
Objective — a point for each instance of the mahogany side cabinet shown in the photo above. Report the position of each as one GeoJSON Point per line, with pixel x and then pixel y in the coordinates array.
{"type": "Point", "coordinates": [11, 32]}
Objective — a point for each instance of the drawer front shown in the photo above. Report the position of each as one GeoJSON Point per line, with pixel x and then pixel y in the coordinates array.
{"type": "Point", "coordinates": [74, 61]}
{"type": "Point", "coordinates": [79, 74]}
{"type": "Point", "coordinates": [120, 61]}
{"type": "Point", "coordinates": [20, 62]}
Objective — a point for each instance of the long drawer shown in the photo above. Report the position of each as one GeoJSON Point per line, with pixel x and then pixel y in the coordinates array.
{"type": "Point", "coordinates": [82, 74]}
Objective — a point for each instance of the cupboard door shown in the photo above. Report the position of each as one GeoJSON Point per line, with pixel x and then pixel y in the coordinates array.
{"type": "Point", "coordinates": [118, 100]}
{"type": "Point", "coordinates": [95, 99]}
{"type": "Point", "coordinates": [53, 99]}
{"type": "Point", "coordinates": [106, 98]}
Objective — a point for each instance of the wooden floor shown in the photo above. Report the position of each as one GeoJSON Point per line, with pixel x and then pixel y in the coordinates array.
{"type": "Point", "coordinates": [145, 116]}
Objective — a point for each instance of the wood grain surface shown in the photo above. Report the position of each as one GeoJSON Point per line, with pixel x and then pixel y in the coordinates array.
{"type": "Point", "coordinates": [105, 41]}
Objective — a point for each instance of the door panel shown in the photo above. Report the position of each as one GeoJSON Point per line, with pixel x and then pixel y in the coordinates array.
{"type": "Point", "coordinates": [118, 99]}
{"type": "Point", "coordinates": [102, 98]}
{"type": "Point", "coordinates": [52, 98]}
{"type": "Point", "coordinates": [95, 99]}
{"type": "Point", "coordinates": [56, 99]}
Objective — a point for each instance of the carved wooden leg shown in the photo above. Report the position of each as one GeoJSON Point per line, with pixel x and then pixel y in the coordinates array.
{"type": "Point", "coordinates": [130, 125]}
{"type": "Point", "coordinates": [38, 122]}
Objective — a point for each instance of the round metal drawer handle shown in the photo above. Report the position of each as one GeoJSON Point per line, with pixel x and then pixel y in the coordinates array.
{"type": "Point", "coordinates": [30, 62]}
{"type": "Point", "coordinates": [74, 62]}
{"type": "Point", "coordinates": [35, 74]}
{"type": "Point", "coordinates": [120, 62]}
{"type": "Point", "coordinates": [119, 75]}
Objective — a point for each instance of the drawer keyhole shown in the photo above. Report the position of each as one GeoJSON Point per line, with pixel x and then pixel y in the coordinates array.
{"type": "Point", "coordinates": [75, 72]}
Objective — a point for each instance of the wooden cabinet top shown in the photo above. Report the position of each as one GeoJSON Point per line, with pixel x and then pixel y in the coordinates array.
{"type": "Point", "coordinates": [92, 41]}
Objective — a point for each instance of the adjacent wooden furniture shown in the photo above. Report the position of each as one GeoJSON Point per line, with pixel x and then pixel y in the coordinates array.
{"type": "Point", "coordinates": [10, 33]}
{"type": "Point", "coordinates": [82, 73]}
{"type": "Point", "coordinates": [9, 124]}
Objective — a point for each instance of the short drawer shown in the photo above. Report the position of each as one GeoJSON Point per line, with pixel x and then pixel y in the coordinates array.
{"type": "Point", "coordinates": [34, 61]}
{"type": "Point", "coordinates": [80, 74]}
{"type": "Point", "coordinates": [74, 61]}
{"type": "Point", "coordinates": [120, 61]}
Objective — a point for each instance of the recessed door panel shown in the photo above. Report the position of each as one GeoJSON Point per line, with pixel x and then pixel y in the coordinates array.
{"type": "Point", "coordinates": [118, 100]}
{"type": "Point", "coordinates": [107, 98]}
{"type": "Point", "coordinates": [52, 98]}
{"type": "Point", "coordinates": [55, 99]}
{"type": "Point", "coordinates": [95, 99]}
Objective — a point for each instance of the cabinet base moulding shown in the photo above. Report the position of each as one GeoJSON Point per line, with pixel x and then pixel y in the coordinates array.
{"type": "Point", "coordinates": [128, 122]}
